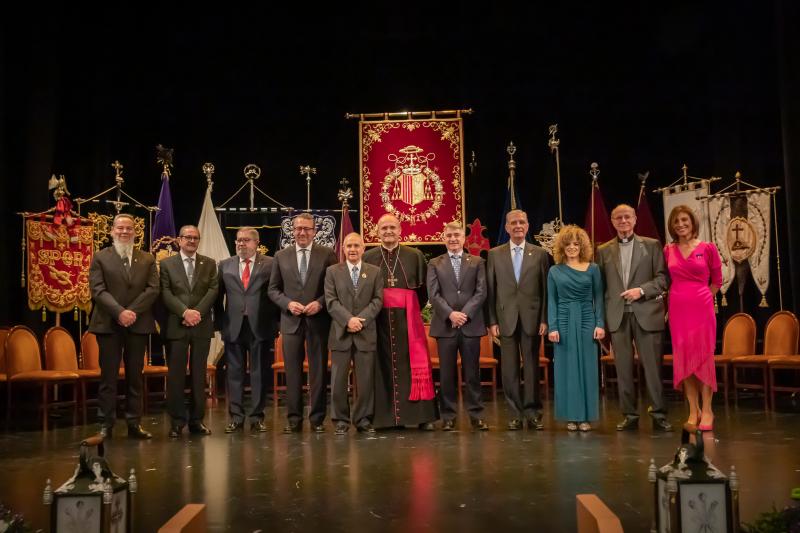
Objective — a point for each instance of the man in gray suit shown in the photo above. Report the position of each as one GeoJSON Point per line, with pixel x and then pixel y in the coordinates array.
{"type": "Point", "coordinates": [189, 287]}
{"type": "Point", "coordinates": [516, 276]}
{"type": "Point", "coordinates": [297, 286]}
{"type": "Point", "coordinates": [635, 278]}
{"type": "Point", "coordinates": [354, 297]}
{"type": "Point", "coordinates": [248, 327]}
{"type": "Point", "coordinates": [124, 285]}
{"type": "Point", "coordinates": [457, 291]}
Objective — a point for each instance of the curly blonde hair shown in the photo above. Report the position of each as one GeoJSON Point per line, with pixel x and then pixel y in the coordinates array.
{"type": "Point", "coordinates": [572, 233]}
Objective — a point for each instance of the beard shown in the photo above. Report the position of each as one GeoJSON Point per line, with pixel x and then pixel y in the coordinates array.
{"type": "Point", "coordinates": [124, 249]}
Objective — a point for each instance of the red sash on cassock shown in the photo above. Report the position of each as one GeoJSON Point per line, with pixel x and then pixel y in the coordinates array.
{"type": "Point", "coordinates": [421, 373]}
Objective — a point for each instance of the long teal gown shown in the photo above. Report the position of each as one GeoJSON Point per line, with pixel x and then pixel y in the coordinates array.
{"type": "Point", "coordinates": [574, 309]}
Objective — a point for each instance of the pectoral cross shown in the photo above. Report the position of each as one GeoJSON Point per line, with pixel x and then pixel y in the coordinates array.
{"type": "Point", "coordinates": [391, 279]}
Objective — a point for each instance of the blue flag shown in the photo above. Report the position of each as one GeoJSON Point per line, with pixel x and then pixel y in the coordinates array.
{"type": "Point", "coordinates": [512, 202]}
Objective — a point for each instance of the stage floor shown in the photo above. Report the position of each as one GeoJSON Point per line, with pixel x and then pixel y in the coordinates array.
{"type": "Point", "coordinates": [407, 480]}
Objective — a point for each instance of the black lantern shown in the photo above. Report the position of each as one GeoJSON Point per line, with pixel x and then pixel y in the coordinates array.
{"type": "Point", "coordinates": [94, 499]}
{"type": "Point", "coordinates": [693, 495]}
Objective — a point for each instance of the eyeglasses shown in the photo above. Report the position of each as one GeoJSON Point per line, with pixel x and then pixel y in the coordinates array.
{"type": "Point", "coordinates": [189, 238]}
{"type": "Point", "coordinates": [244, 240]}
{"type": "Point", "coordinates": [301, 229]}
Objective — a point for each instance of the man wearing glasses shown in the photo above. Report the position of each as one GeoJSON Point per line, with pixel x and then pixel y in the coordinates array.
{"type": "Point", "coordinates": [189, 287]}
{"type": "Point", "coordinates": [248, 327]}
{"type": "Point", "coordinates": [297, 286]}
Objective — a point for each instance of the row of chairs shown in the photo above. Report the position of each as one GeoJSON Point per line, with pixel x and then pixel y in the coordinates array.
{"type": "Point", "coordinates": [738, 361]}
{"type": "Point", "coordinates": [21, 363]}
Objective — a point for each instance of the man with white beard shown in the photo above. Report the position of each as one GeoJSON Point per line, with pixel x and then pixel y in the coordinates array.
{"type": "Point", "coordinates": [124, 285]}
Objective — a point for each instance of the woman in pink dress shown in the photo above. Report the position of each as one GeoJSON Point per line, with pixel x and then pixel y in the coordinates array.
{"type": "Point", "coordinates": [696, 273]}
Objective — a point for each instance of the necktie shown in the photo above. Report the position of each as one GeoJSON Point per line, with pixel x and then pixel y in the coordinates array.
{"type": "Point", "coordinates": [517, 262]}
{"type": "Point", "coordinates": [127, 264]}
{"type": "Point", "coordinates": [355, 276]}
{"type": "Point", "coordinates": [246, 273]}
{"type": "Point", "coordinates": [456, 260]}
{"type": "Point", "coordinates": [303, 266]}
{"type": "Point", "coordinates": [190, 270]}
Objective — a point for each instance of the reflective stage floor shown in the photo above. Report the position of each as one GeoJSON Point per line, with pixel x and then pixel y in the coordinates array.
{"type": "Point", "coordinates": [407, 480]}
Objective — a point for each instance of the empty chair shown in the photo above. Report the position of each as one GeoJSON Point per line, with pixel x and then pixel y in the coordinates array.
{"type": "Point", "coordinates": [60, 354]}
{"type": "Point", "coordinates": [783, 364]}
{"type": "Point", "coordinates": [738, 339]}
{"type": "Point", "coordinates": [24, 366]}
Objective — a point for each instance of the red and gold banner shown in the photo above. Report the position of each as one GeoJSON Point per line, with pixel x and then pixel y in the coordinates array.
{"type": "Point", "coordinates": [412, 169]}
{"type": "Point", "coordinates": [59, 257]}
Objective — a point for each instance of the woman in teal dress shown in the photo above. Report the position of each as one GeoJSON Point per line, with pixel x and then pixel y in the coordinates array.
{"type": "Point", "coordinates": [575, 321]}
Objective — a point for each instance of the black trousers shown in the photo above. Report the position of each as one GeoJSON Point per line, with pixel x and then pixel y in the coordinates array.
{"type": "Point", "coordinates": [295, 346]}
{"type": "Point", "coordinates": [113, 348]}
{"type": "Point", "coordinates": [523, 400]}
{"type": "Point", "coordinates": [364, 368]}
{"type": "Point", "coordinates": [470, 348]}
{"type": "Point", "coordinates": [236, 358]}
{"type": "Point", "coordinates": [196, 348]}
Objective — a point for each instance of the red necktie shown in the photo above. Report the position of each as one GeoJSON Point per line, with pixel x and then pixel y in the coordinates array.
{"type": "Point", "coordinates": [246, 273]}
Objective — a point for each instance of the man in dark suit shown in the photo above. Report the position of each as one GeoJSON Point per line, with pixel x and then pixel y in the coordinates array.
{"type": "Point", "coordinates": [189, 287]}
{"type": "Point", "coordinates": [457, 291]}
{"type": "Point", "coordinates": [248, 327]}
{"type": "Point", "coordinates": [297, 287]}
{"type": "Point", "coordinates": [516, 276]}
{"type": "Point", "coordinates": [636, 278]}
{"type": "Point", "coordinates": [124, 285]}
{"type": "Point", "coordinates": [354, 297]}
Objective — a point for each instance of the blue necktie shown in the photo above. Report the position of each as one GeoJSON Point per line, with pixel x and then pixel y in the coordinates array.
{"type": "Point", "coordinates": [355, 276]}
{"type": "Point", "coordinates": [303, 266]}
{"type": "Point", "coordinates": [517, 262]}
{"type": "Point", "coordinates": [456, 260]}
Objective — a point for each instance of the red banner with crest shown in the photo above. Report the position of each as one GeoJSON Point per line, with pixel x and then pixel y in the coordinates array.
{"type": "Point", "coordinates": [59, 257]}
{"type": "Point", "coordinates": [412, 169]}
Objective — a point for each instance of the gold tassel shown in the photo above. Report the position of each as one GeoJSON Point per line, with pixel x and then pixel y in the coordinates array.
{"type": "Point", "coordinates": [763, 301]}
{"type": "Point", "coordinates": [75, 314]}
{"type": "Point", "coordinates": [44, 314]}
{"type": "Point", "coordinates": [724, 301]}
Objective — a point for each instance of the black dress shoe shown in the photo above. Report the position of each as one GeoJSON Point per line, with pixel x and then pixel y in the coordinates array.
{"type": "Point", "coordinates": [367, 428]}
{"type": "Point", "coordinates": [449, 425]}
{"type": "Point", "coordinates": [199, 429]}
{"type": "Point", "coordinates": [106, 432]}
{"type": "Point", "coordinates": [341, 428]}
{"type": "Point", "coordinates": [661, 423]}
{"type": "Point", "coordinates": [258, 427]}
{"type": "Point", "coordinates": [175, 431]}
{"type": "Point", "coordinates": [535, 422]}
{"type": "Point", "coordinates": [480, 425]}
{"type": "Point", "coordinates": [629, 423]}
{"type": "Point", "coordinates": [138, 432]}
{"type": "Point", "coordinates": [293, 428]}
{"type": "Point", "coordinates": [319, 428]}
{"type": "Point", "coordinates": [427, 426]}
{"type": "Point", "coordinates": [233, 427]}
{"type": "Point", "coordinates": [515, 424]}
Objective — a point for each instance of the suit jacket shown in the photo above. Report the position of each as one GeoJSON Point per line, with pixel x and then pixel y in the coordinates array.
{"type": "Point", "coordinates": [261, 313]}
{"type": "Point", "coordinates": [467, 295]}
{"type": "Point", "coordinates": [179, 296]}
{"type": "Point", "coordinates": [285, 286]}
{"type": "Point", "coordinates": [345, 301]}
{"type": "Point", "coordinates": [508, 300]}
{"type": "Point", "coordinates": [648, 271]}
{"type": "Point", "coordinates": [115, 288]}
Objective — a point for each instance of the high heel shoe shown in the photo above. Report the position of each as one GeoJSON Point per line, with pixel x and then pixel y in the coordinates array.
{"type": "Point", "coordinates": [706, 427]}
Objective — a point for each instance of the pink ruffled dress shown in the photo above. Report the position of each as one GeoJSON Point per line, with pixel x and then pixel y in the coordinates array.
{"type": "Point", "coordinates": [692, 322]}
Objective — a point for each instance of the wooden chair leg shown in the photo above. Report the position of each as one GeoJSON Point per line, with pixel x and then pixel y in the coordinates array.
{"type": "Point", "coordinates": [494, 383]}
{"type": "Point", "coordinates": [44, 406]}
{"type": "Point", "coordinates": [84, 400]}
{"type": "Point", "coordinates": [8, 405]}
{"type": "Point", "coordinates": [767, 389]}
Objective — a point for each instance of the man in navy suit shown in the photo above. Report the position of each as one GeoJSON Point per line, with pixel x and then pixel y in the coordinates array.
{"type": "Point", "coordinates": [457, 291]}
{"type": "Point", "coordinates": [248, 326]}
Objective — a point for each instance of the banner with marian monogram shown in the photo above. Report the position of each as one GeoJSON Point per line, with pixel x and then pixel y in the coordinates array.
{"type": "Point", "coordinates": [412, 169]}
{"type": "Point", "coordinates": [59, 256]}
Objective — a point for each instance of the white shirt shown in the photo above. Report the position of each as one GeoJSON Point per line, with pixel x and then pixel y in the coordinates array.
{"type": "Point", "coordinates": [350, 267]}
{"type": "Point", "coordinates": [511, 247]}
{"type": "Point", "coordinates": [184, 257]}
{"type": "Point", "coordinates": [300, 255]}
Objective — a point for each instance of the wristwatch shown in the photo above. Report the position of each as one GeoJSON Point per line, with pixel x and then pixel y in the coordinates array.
{"type": "Point", "coordinates": [641, 292]}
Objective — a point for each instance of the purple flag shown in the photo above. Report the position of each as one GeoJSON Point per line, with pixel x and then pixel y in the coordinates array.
{"type": "Point", "coordinates": [162, 235]}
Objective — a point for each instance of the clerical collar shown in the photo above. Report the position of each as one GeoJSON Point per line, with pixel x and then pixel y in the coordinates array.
{"type": "Point", "coordinates": [625, 240]}
{"type": "Point", "coordinates": [390, 250]}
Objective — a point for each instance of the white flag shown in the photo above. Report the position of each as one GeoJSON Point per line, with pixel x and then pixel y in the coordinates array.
{"type": "Point", "coordinates": [212, 244]}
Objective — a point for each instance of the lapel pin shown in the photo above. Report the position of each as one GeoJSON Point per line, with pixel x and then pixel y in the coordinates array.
{"type": "Point", "coordinates": [364, 276]}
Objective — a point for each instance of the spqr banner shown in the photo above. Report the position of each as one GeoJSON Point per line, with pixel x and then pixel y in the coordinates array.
{"type": "Point", "coordinates": [412, 169]}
